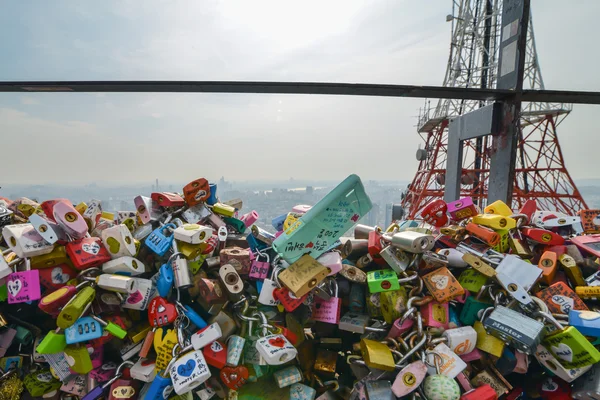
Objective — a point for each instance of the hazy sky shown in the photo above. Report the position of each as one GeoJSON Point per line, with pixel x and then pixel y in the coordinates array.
{"type": "Point", "coordinates": [179, 137]}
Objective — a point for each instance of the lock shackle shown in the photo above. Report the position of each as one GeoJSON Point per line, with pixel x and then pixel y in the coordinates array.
{"type": "Point", "coordinates": [123, 365]}
{"type": "Point", "coordinates": [336, 288]}
{"type": "Point", "coordinates": [408, 314]}
{"type": "Point", "coordinates": [412, 351]}
{"type": "Point", "coordinates": [408, 278]}
{"type": "Point", "coordinates": [436, 357]}
{"type": "Point", "coordinates": [548, 317]}
{"type": "Point", "coordinates": [485, 313]}
{"type": "Point", "coordinates": [482, 291]}
{"type": "Point", "coordinates": [87, 273]}
{"type": "Point", "coordinates": [521, 219]}
{"type": "Point", "coordinates": [175, 254]}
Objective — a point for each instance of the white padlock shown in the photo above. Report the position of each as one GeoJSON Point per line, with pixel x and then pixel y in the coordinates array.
{"type": "Point", "coordinates": [140, 299]}
{"type": "Point", "coordinates": [193, 233]}
{"type": "Point", "coordinates": [93, 213]}
{"type": "Point", "coordinates": [25, 241]}
{"type": "Point", "coordinates": [276, 349]}
{"type": "Point", "coordinates": [206, 336]}
{"type": "Point", "coordinates": [143, 370]}
{"type": "Point", "coordinates": [452, 364]}
{"type": "Point", "coordinates": [551, 363]}
{"type": "Point", "coordinates": [118, 241]}
{"type": "Point", "coordinates": [189, 371]}
{"type": "Point", "coordinates": [455, 258]}
{"type": "Point", "coordinates": [461, 340]}
{"type": "Point", "coordinates": [125, 265]}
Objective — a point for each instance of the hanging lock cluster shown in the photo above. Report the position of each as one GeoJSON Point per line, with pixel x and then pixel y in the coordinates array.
{"type": "Point", "coordinates": [188, 297]}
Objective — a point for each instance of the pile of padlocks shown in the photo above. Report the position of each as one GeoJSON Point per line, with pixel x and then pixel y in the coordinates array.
{"type": "Point", "coordinates": [188, 298]}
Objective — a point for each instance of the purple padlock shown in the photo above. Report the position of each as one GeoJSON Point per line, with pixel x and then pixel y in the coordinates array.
{"type": "Point", "coordinates": [259, 270]}
{"type": "Point", "coordinates": [23, 286]}
{"type": "Point", "coordinates": [96, 355]}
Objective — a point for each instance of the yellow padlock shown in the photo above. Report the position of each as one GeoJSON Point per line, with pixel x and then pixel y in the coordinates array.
{"type": "Point", "coordinates": [303, 276]}
{"type": "Point", "coordinates": [56, 257]}
{"type": "Point", "coordinates": [223, 209]}
{"type": "Point", "coordinates": [495, 221]}
{"type": "Point", "coordinates": [81, 207]}
{"type": "Point", "coordinates": [393, 304]}
{"type": "Point", "coordinates": [191, 251]}
{"type": "Point", "coordinates": [498, 207]}
{"type": "Point", "coordinates": [377, 355]}
{"type": "Point", "coordinates": [486, 342]}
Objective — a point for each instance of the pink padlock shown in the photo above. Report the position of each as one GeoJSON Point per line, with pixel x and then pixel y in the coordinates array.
{"type": "Point", "coordinates": [409, 378]}
{"type": "Point", "coordinates": [331, 260]}
{"type": "Point", "coordinates": [522, 363]}
{"type": "Point", "coordinates": [462, 209]}
{"type": "Point", "coordinates": [436, 315]}
{"type": "Point", "coordinates": [250, 218]}
{"type": "Point", "coordinates": [301, 208]}
{"type": "Point", "coordinates": [462, 298]}
{"type": "Point", "coordinates": [23, 286]}
{"type": "Point", "coordinates": [464, 381]}
{"type": "Point", "coordinates": [328, 311]}
{"type": "Point", "coordinates": [259, 269]}
{"type": "Point", "coordinates": [472, 356]}
{"type": "Point", "coordinates": [96, 355]}
{"type": "Point", "coordinates": [398, 328]}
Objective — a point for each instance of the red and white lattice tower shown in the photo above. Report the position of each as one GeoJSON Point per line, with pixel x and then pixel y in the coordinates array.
{"type": "Point", "coordinates": [540, 171]}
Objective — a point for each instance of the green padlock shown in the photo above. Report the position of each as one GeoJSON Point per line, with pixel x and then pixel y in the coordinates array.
{"type": "Point", "coordinates": [382, 280]}
{"type": "Point", "coordinates": [471, 308]}
{"type": "Point", "coordinates": [3, 293]}
{"type": "Point", "coordinates": [40, 382]}
{"type": "Point", "coordinates": [236, 224]}
{"type": "Point", "coordinates": [111, 327]}
{"type": "Point", "coordinates": [53, 343]}
{"type": "Point", "coordinates": [472, 280]}
{"type": "Point", "coordinates": [75, 307]}
{"type": "Point", "coordinates": [23, 335]}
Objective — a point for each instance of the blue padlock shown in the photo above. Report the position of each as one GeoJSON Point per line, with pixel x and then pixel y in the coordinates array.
{"type": "Point", "coordinates": [357, 298]}
{"type": "Point", "coordinates": [165, 280]}
{"type": "Point", "coordinates": [277, 222]}
{"type": "Point", "coordinates": [194, 317]}
{"type": "Point", "coordinates": [158, 242]}
{"type": "Point", "coordinates": [454, 315]}
{"type": "Point", "coordinates": [160, 389]}
{"type": "Point", "coordinates": [586, 322]}
{"type": "Point", "coordinates": [255, 244]}
{"type": "Point", "coordinates": [213, 194]}
{"type": "Point", "coordinates": [299, 391]}
{"type": "Point", "coordinates": [84, 329]}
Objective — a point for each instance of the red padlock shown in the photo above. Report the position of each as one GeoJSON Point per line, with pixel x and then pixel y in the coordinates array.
{"type": "Point", "coordinates": [87, 253]}
{"type": "Point", "coordinates": [234, 377]}
{"type": "Point", "coordinates": [168, 199]}
{"type": "Point", "coordinates": [529, 208]}
{"type": "Point", "coordinates": [161, 312]}
{"type": "Point", "coordinates": [215, 354]}
{"type": "Point", "coordinates": [543, 236]}
{"type": "Point", "coordinates": [48, 207]}
{"type": "Point", "coordinates": [288, 302]}
{"type": "Point", "coordinates": [56, 277]}
{"type": "Point", "coordinates": [553, 388]}
{"type": "Point", "coordinates": [196, 192]}
{"type": "Point", "coordinates": [375, 246]}
{"type": "Point", "coordinates": [52, 303]}
{"type": "Point", "coordinates": [434, 213]}
{"type": "Point", "coordinates": [289, 335]}
{"type": "Point", "coordinates": [483, 392]}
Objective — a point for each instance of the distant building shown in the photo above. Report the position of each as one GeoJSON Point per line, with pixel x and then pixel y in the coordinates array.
{"type": "Point", "coordinates": [373, 215]}
{"type": "Point", "coordinates": [388, 215]}
{"type": "Point", "coordinates": [310, 190]}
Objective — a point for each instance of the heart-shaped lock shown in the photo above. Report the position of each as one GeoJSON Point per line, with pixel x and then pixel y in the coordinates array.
{"type": "Point", "coordinates": [234, 377]}
{"type": "Point", "coordinates": [434, 213]}
{"type": "Point", "coordinates": [161, 312]}
{"type": "Point", "coordinates": [215, 354]}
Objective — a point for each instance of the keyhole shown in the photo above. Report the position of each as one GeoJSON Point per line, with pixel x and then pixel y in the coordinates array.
{"type": "Point", "coordinates": [127, 240]}
{"type": "Point", "coordinates": [43, 228]}
{"type": "Point", "coordinates": [71, 217]}
{"type": "Point", "coordinates": [409, 379]}
{"type": "Point", "coordinates": [312, 283]}
{"type": "Point", "coordinates": [546, 262]}
{"type": "Point", "coordinates": [502, 222]}
{"type": "Point", "coordinates": [512, 287]}
{"type": "Point", "coordinates": [141, 209]}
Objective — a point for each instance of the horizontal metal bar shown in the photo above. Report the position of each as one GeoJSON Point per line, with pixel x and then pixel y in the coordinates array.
{"type": "Point", "coordinates": [346, 89]}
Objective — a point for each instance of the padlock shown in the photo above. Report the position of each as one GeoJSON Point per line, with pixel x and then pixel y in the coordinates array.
{"type": "Point", "coordinates": [147, 209]}
{"type": "Point", "coordinates": [395, 258]}
{"type": "Point", "coordinates": [461, 340]}
{"type": "Point", "coordinates": [441, 387]}
{"type": "Point", "coordinates": [412, 242]}
{"type": "Point", "coordinates": [119, 242]}
{"type": "Point", "coordinates": [353, 274]}
{"type": "Point", "coordinates": [235, 346]}
{"type": "Point", "coordinates": [435, 314]}
{"type": "Point", "coordinates": [486, 235]}
{"type": "Point", "coordinates": [276, 349]}
{"type": "Point", "coordinates": [452, 364]}
{"type": "Point", "coordinates": [303, 275]}
{"type": "Point", "coordinates": [555, 389]}
{"type": "Point", "coordinates": [123, 389]}
{"type": "Point", "coordinates": [377, 355]}
{"type": "Point", "coordinates": [143, 370]}
{"type": "Point", "coordinates": [24, 240]}
{"type": "Point", "coordinates": [487, 342]}
{"type": "Point", "coordinates": [443, 285]}
{"type": "Point", "coordinates": [328, 311]}
{"type": "Point", "coordinates": [232, 282]}
{"type": "Point", "coordinates": [225, 321]}
{"type": "Point", "coordinates": [54, 342]}
{"type": "Point", "coordinates": [239, 254]}
{"type": "Point", "coordinates": [215, 354]}
{"type": "Point", "coordinates": [56, 277]}
{"type": "Point", "coordinates": [259, 269]}
{"type": "Point", "coordinates": [520, 247]}
{"type": "Point", "coordinates": [550, 362]}
{"type": "Point", "coordinates": [5, 269]}
{"type": "Point", "coordinates": [332, 261]}
{"type": "Point", "coordinates": [83, 330]}
{"type": "Point", "coordinates": [393, 304]}
{"type": "Point", "coordinates": [495, 221]}
{"type": "Point", "coordinates": [87, 253]}
{"type": "Point", "coordinates": [158, 242]}
{"type": "Point", "coordinates": [125, 265]}
{"type": "Point", "coordinates": [462, 209]}
{"type": "Point", "coordinates": [40, 382]}
{"type": "Point", "coordinates": [189, 371]}
{"type": "Point", "coordinates": [498, 207]}
{"type": "Point", "coordinates": [78, 358]}
{"type": "Point", "coordinates": [161, 312]}
{"type": "Point", "coordinates": [409, 378]}
{"type": "Point", "coordinates": [196, 192]}
{"type": "Point", "coordinates": [483, 392]}
{"type": "Point", "coordinates": [472, 280]}
{"type": "Point", "coordinates": [193, 233]}
{"type": "Point", "coordinates": [434, 213]}
{"type": "Point", "coordinates": [287, 299]}
{"type": "Point", "coordinates": [288, 376]}
{"type": "Point", "coordinates": [70, 220]}
{"type": "Point", "coordinates": [75, 385]}
{"type": "Point", "coordinates": [382, 280]}
{"type": "Point", "coordinates": [549, 267]}
{"type": "Point", "coordinates": [569, 346]}
{"type": "Point", "coordinates": [571, 269]}
{"type": "Point", "coordinates": [543, 236]}
{"type": "Point", "coordinates": [140, 299]}
{"type": "Point", "coordinates": [23, 286]}
{"type": "Point", "coordinates": [56, 257]}
{"type": "Point", "coordinates": [588, 386]}
{"type": "Point", "coordinates": [160, 388]}
{"type": "Point", "coordinates": [374, 247]}
{"type": "Point", "coordinates": [357, 298]}
{"type": "Point", "coordinates": [518, 330]}
{"type": "Point", "coordinates": [561, 299]}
